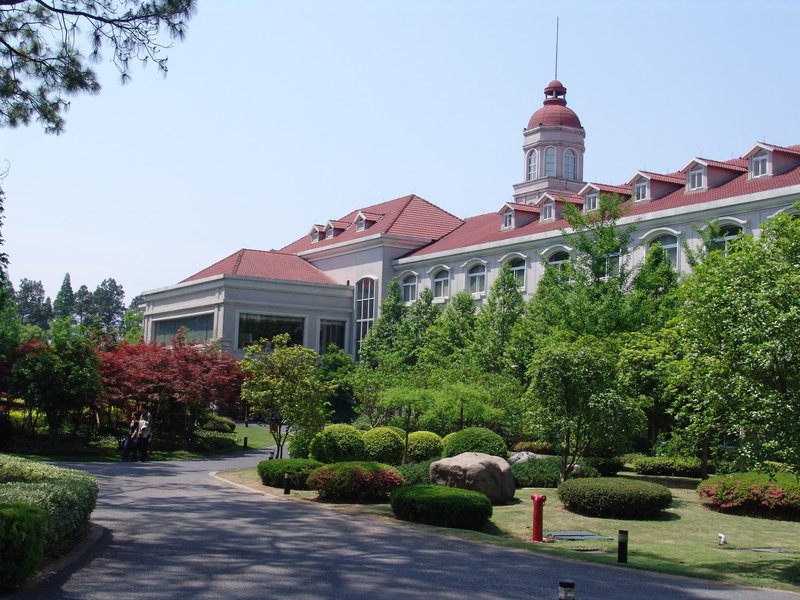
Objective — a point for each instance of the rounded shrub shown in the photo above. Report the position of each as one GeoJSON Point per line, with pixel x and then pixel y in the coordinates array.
{"type": "Point", "coordinates": [414, 473]}
{"type": "Point", "coordinates": [383, 444]}
{"type": "Point", "coordinates": [221, 424]}
{"type": "Point", "coordinates": [542, 472]}
{"type": "Point", "coordinates": [442, 506]}
{"type": "Point", "coordinates": [398, 430]}
{"type": "Point", "coordinates": [361, 481]}
{"type": "Point", "coordinates": [337, 443]}
{"type": "Point", "coordinates": [675, 466]}
{"type": "Point", "coordinates": [423, 446]}
{"type": "Point", "coordinates": [606, 466]}
{"type": "Point", "coordinates": [756, 494]}
{"type": "Point", "coordinates": [474, 439]}
{"type": "Point", "coordinates": [22, 535]}
{"type": "Point", "coordinates": [300, 443]}
{"type": "Point", "coordinates": [614, 497]}
{"type": "Point", "coordinates": [535, 447]}
{"type": "Point", "coordinates": [272, 472]}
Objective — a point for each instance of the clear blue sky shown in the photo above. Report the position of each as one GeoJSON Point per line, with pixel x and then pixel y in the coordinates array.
{"type": "Point", "coordinates": [279, 115]}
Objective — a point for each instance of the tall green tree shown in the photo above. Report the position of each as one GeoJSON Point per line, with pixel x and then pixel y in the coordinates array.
{"type": "Point", "coordinates": [43, 61]}
{"type": "Point", "coordinates": [33, 306]}
{"type": "Point", "coordinates": [447, 341]}
{"type": "Point", "coordinates": [108, 306]}
{"type": "Point", "coordinates": [573, 394]}
{"type": "Point", "coordinates": [654, 296]}
{"type": "Point", "coordinates": [381, 342]}
{"type": "Point", "coordinates": [495, 323]}
{"type": "Point", "coordinates": [282, 380]}
{"type": "Point", "coordinates": [132, 326]}
{"type": "Point", "coordinates": [64, 304]}
{"type": "Point", "coordinates": [83, 304]}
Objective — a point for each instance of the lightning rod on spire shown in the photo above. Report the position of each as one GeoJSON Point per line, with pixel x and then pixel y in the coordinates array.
{"type": "Point", "coordinates": [556, 77]}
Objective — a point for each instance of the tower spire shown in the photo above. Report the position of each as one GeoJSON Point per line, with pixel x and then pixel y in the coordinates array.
{"type": "Point", "coordinates": [556, 77]}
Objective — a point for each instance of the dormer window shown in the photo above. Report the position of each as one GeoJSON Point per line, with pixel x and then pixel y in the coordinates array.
{"type": "Point", "coordinates": [361, 224]}
{"type": "Point", "coordinates": [759, 164]}
{"type": "Point", "coordinates": [548, 214]}
{"type": "Point", "coordinates": [590, 202]}
{"type": "Point", "coordinates": [315, 237]}
{"type": "Point", "coordinates": [329, 233]}
{"type": "Point", "coordinates": [508, 219]}
{"type": "Point", "coordinates": [570, 165]}
{"type": "Point", "coordinates": [696, 178]}
{"type": "Point", "coordinates": [640, 190]}
{"type": "Point", "coordinates": [533, 165]}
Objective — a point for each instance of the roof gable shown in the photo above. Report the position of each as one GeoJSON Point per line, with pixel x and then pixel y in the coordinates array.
{"type": "Point", "coordinates": [264, 265]}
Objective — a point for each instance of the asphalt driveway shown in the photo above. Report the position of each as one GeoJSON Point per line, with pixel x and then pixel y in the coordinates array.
{"type": "Point", "coordinates": [170, 530]}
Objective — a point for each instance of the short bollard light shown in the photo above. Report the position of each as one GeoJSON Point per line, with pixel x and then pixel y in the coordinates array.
{"type": "Point", "coordinates": [244, 441]}
{"type": "Point", "coordinates": [286, 482]}
{"type": "Point", "coordinates": [566, 590]}
{"type": "Point", "coordinates": [622, 546]}
{"type": "Point", "coordinates": [538, 513]}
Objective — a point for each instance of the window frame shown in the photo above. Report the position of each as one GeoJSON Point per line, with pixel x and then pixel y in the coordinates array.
{"type": "Point", "coordinates": [441, 279]}
{"type": "Point", "coordinates": [408, 286]}
{"type": "Point", "coordinates": [671, 249]}
{"type": "Point", "coordinates": [550, 162]}
{"type": "Point", "coordinates": [590, 201]}
{"type": "Point", "coordinates": [518, 267]}
{"type": "Point", "coordinates": [532, 166]}
{"type": "Point", "coordinates": [476, 279]}
{"type": "Point", "coordinates": [548, 212]}
{"type": "Point", "coordinates": [508, 219]}
{"type": "Point", "coordinates": [695, 179]}
{"type": "Point", "coordinates": [315, 237]}
{"type": "Point", "coordinates": [759, 164]}
{"type": "Point", "coordinates": [642, 184]}
{"type": "Point", "coordinates": [570, 163]}
{"type": "Point", "coordinates": [364, 309]}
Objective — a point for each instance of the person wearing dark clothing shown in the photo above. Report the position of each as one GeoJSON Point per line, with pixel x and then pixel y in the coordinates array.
{"type": "Point", "coordinates": [144, 434]}
{"type": "Point", "coordinates": [129, 446]}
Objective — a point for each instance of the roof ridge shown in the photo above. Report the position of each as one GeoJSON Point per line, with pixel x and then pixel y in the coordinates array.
{"type": "Point", "coordinates": [239, 260]}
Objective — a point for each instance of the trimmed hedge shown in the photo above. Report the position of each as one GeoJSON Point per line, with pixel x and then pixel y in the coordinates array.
{"type": "Point", "coordinates": [753, 494]}
{"type": "Point", "coordinates": [535, 447]}
{"type": "Point", "coordinates": [22, 534]}
{"type": "Point", "coordinates": [337, 443]}
{"type": "Point", "coordinates": [474, 439]}
{"type": "Point", "coordinates": [67, 496]}
{"type": "Point", "coordinates": [414, 473]}
{"type": "Point", "coordinates": [442, 506]}
{"type": "Point", "coordinates": [542, 472]}
{"type": "Point", "coordinates": [214, 441]}
{"type": "Point", "coordinates": [614, 497]}
{"type": "Point", "coordinates": [675, 466]}
{"type": "Point", "coordinates": [606, 466]}
{"type": "Point", "coordinates": [361, 481]}
{"type": "Point", "coordinates": [383, 444]}
{"type": "Point", "coordinates": [424, 446]}
{"type": "Point", "coordinates": [217, 423]}
{"type": "Point", "coordinates": [272, 472]}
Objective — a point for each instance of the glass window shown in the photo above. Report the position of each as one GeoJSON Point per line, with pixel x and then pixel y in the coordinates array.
{"type": "Point", "coordinates": [726, 235]}
{"type": "Point", "coordinates": [329, 233]}
{"type": "Point", "coordinates": [558, 258]}
{"type": "Point", "coordinates": [570, 165]}
{"type": "Point", "coordinates": [360, 225]}
{"type": "Point", "coordinates": [547, 210]}
{"type": "Point", "coordinates": [533, 165]}
{"type": "Point", "coordinates": [315, 237]}
{"type": "Point", "coordinates": [410, 288]}
{"type": "Point", "coordinates": [760, 164]}
{"type": "Point", "coordinates": [254, 327]}
{"type": "Point", "coordinates": [550, 162]}
{"type": "Point", "coordinates": [518, 271]}
{"type": "Point", "coordinates": [612, 264]}
{"type": "Point", "coordinates": [365, 309]}
{"type": "Point", "coordinates": [640, 191]}
{"type": "Point", "coordinates": [198, 329]}
{"type": "Point", "coordinates": [441, 284]}
{"type": "Point", "coordinates": [590, 202]}
{"type": "Point", "coordinates": [331, 332]}
{"type": "Point", "coordinates": [696, 178]}
{"type": "Point", "coordinates": [477, 279]}
{"type": "Point", "coordinates": [508, 219]}
{"type": "Point", "coordinates": [669, 244]}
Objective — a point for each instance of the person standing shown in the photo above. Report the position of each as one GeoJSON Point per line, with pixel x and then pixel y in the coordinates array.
{"type": "Point", "coordinates": [129, 444]}
{"type": "Point", "coordinates": [144, 434]}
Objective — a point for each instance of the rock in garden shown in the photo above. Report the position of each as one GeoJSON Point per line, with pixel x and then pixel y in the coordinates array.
{"type": "Point", "coordinates": [476, 471]}
{"type": "Point", "coordinates": [521, 457]}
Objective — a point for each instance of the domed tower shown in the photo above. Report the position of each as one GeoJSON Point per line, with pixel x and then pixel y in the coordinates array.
{"type": "Point", "coordinates": [552, 149]}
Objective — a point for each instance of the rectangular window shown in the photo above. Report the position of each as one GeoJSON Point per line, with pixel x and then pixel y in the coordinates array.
{"type": "Point", "coordinates": [547, 211]}
{"type": "Point", "coordinates": [640, 191]}
{"type": "Point", "coordinates": [360, 225]}
{"type": "Point", "coordinates": [331, 332]}
{"type": "Point", "coordinates": [695, 179]}
{"type": "Point", "coordinates": [199, 329]}
{"type": "Point", "coordinates": [254, 327]}
{"type": "Point", "coordinates": [760, 164]}
{"type": "Point", "coordinates": [329, 233]}
{"type": "Point", "coordinates": [590, 203]}
{"type": "Point", "coordinates": [508, 219]}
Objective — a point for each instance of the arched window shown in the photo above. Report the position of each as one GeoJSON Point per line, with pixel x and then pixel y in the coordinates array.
{"type": "Point", "coordinates": [558, 258]}
{"type": "Point", "coordinates": [669, 244]}
{"type": "Point", "coordinates": [476, 279]}
{"type": "Point", "coordinates": [441, 284]}
{"type": "Point", "coordinates": [365, 309]}
{"type": "Point", "coordinates": [727, 234]}
{"type": "Point", "coordinates": [517, 266]}
{"type": "Point", "coordinates": [570, 165]}
{"type": "Point", "coordinates": [550, 162]}
{"type": "Point", "coordinates": [410, 288]}
{"type": "Point", "coordinates": [533, 165]}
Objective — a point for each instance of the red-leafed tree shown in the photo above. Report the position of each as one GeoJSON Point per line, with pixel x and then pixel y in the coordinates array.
{"type": "Point", "coordinates": [178, 384]}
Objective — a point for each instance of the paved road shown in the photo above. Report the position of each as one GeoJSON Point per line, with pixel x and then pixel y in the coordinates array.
{"type": "Point", "coordinates": [172, 531]}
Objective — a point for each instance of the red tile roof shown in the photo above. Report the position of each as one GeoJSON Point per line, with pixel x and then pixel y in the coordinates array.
{"type": "Point", "coordinates": [677, 178]}
{"type": "Point", "coordinates": [409, 215]}
{"type": "Point", "coordinates": [737, 164]}
{"type": "Point", "coordinates": [622, 190]}
{"type": "Point", "coordinates": [530, 208]}
{"type": "Point", "coordinates": [266, 265]}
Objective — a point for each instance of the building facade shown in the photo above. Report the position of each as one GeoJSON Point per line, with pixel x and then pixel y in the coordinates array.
{"type": "Point", "coordinates": [326, 286]}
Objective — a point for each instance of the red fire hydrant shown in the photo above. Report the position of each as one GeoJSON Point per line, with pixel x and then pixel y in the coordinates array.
{"type": "Point", "coordinates": [538, 512]}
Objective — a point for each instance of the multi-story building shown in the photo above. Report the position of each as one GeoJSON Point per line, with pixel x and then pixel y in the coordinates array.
{"type": "Point", "coordinates": [326, 286]}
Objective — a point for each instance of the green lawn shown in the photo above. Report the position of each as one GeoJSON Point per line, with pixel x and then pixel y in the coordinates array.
{"type": "Point", "coordinates": [759, 552]}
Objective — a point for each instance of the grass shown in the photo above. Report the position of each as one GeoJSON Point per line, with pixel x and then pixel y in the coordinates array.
{"type": "Point", "coordinates": [106, 449]}
{"type": "Point", "coordinates": [759, 552]}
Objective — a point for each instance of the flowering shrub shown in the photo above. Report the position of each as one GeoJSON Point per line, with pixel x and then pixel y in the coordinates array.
{"type": "Point", "coordinates": [355, 481]}
{"type": "Point", "coordinates": [753, 493]}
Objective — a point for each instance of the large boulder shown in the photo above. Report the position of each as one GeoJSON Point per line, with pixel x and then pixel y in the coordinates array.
{"type": "Point", "coordinates": [476, 471]}
{"type": "Point", "coordinates": [524, 456]}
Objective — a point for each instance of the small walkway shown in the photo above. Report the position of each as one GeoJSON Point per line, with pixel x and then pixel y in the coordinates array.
{"type": "Point", "coordinates": [170, 531]}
